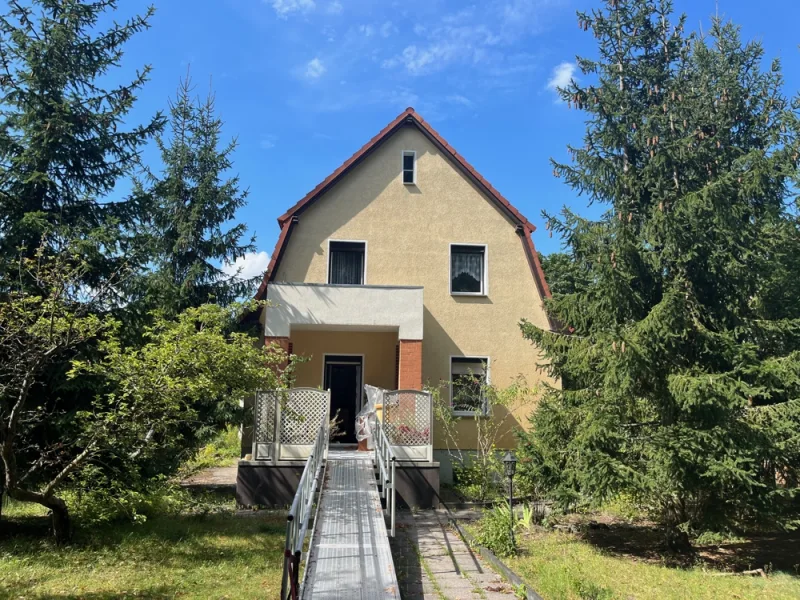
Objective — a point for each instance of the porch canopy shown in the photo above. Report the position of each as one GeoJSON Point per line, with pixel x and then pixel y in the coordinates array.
{"type": "Point", "coordinates": [319, 306]}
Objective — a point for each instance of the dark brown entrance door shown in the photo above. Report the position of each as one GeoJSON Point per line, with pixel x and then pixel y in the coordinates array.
{"type": "Point", "coordinates": [343, 379]}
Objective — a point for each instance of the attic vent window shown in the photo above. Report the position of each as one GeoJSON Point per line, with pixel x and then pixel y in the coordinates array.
{"type": "Point", "coordinates": [409, 167]}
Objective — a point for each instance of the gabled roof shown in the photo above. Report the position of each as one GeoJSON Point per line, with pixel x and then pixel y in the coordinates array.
{"type": "Point", "coordinates": [409, 117]}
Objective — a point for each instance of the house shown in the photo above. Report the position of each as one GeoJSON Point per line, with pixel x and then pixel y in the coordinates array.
{"type": "Point", "coordinates": [405, 268]}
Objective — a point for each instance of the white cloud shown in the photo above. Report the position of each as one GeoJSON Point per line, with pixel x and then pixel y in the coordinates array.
{"type": "Point", "coordinates": [418, 61]}
{"type": "Point", "coordinates": [388, 29]}
{"type": "Point", "coordinates": [284, 8]}
{"type": "Point", "coordinates": [268, 142]}
{"type": "Point", "coordinates": [386, 54]}
{"type": "Point", "coordinates": [459, 99]}
{"type": "Point", "coordinates": [561, 76]}
{"type": "Point", "coordinates": [250, 265]}
{"type": "Point", "coordinates": [315, 68]}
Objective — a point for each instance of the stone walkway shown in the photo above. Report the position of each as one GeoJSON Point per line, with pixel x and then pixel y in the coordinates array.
{"type": "Point", "coordinates": [432, 561]}
{"type": "Point", "coordinates": [215, 477]}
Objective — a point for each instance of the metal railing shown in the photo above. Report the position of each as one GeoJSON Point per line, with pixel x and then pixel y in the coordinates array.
{"type": "Point", "coordinates": [386, 460]}
{"type": "Point", "coordinates": [297, 521]}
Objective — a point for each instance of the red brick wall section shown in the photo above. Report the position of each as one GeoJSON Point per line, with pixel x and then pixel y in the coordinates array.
{"type": "Point", "coordinates": [283, 342]}
{"type": "Point", "coordinates": [410, 375]}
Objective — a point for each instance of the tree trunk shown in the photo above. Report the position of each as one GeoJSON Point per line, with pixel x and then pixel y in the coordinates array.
{"type": "Point", "coordinates": [62, 525]}
{"type": "Point", "coordinates": [677, 540]}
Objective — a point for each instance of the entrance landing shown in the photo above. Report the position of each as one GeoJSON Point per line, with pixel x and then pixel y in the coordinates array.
{"type": "Point", "coordinates": [350, 557]}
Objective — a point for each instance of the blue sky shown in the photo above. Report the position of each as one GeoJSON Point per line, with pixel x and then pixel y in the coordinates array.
{"type": "Point", "coordinates": [304, 83]}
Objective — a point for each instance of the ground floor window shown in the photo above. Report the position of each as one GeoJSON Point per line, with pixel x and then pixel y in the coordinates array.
{"type": "Point", "coordinates": [468, 378]}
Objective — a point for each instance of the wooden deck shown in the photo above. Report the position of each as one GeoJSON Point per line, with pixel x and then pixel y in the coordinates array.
{"type": "Point", "coordinates": [350, 557]}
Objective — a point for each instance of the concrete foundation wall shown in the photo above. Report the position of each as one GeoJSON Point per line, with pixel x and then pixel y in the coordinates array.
{"type": "Point", "coordinates": [261, 483]}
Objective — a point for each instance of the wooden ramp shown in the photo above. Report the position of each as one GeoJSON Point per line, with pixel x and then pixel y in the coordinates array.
{"type": "Point", "coordinates": [350, 556]}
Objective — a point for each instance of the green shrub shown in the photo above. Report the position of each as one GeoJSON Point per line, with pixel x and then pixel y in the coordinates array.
{"type": "Point", "coordinates": [494, 531]}
{"type": "Point", "coordinates": [717, 538]}
{"type": "Point", "coordinates": [222, 451]}
{"type": "Point", "coordinates": [479, 481]}
{"type": "Point", "coordinates": [135, 504]}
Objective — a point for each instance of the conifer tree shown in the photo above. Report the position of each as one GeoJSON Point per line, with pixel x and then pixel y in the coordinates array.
{"type": "Point", "coordinates": [64, 140]}
{"type": "Point", "coordinates": [193, 201]}
{"type": "Point", "coordinates": [679, 359]}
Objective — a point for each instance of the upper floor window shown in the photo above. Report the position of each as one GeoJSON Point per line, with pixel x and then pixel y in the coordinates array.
{"type": "Point", "coordinates": [347, 262]}
{"type": "Point", "coordinates": [409, 167]}
{"type": "Point", "coordinates": [469, 377]}
{"type": "Point", "coordinates": [468, 269]}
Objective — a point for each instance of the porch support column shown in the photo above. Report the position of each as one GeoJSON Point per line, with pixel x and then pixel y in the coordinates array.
{"type": "Point", "coordinates": [283, 342]}
{"type": "Point", "coordinates": [410, 375]}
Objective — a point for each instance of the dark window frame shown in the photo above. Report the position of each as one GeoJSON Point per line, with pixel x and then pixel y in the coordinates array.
{"type": "Point", "coordinates": [475, 374]}
{"type": "Point", "coordinates": [354, 246]}
{"type": "Point", "coordinates": [413, 170]}
{"type": "Point", "coordinates": [483, 284]}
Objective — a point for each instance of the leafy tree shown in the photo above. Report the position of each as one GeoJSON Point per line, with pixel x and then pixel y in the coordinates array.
{"type": "Point", "coordinates": [192, 203]}
{"type": "Point", "coordinates": [685, 334]}
{"type": "Point", "coordinates": [64, 139]}
{"type": "Point", "coordinates": [157, 390]}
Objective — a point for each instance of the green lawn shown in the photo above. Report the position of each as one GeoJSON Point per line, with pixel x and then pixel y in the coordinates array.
{"type": "Point", "coordinates": [562, 566]}
{"type": "Point", "coordinates": [217, 555]}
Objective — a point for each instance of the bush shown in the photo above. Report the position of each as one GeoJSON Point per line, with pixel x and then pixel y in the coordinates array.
{"type": "Point", "coordinates": [134, 504]}
{"type": "Point", "coordinates": [493, 531]}
{"type": "Point", "coordinates": [479, 481]}
{"type": "Point", "coordinates": [222, 451]}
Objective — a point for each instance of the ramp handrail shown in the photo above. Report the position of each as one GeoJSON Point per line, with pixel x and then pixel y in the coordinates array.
{"type": "Point", "coordinates": [299, 516]}
{"type": "Point", "coordinates": [386, 459]}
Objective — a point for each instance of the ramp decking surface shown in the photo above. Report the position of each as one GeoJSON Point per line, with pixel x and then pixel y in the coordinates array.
{"type": "Point", "coordinates": [350, 557]}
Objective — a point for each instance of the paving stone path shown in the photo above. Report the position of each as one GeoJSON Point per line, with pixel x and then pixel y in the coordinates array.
{"type": "Point", "coordinates": [432, 561]}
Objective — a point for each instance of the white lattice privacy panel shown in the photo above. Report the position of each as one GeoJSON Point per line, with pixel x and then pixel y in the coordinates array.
{"type": "Point", "coordinates": [264, 422]}
{"type": "Point", "coordinates": [408, 422]}
{"type": "Point", "coordinates": [301, 416]}
{"type": "Point", "coordinates": [287, 421]}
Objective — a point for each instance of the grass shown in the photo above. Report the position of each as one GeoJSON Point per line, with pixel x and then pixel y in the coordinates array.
{"type": "Point", "coordinates": [218, 554]}
{"type": "Point", "coordinates": [563, 566]}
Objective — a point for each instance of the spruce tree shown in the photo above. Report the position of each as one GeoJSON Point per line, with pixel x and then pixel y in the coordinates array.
{"type": "Point", "coordinates": [193, 202]}
{"type": "Point", "coordinates": [64, 139]}
{"type": "Point", "coordinates": [679, 357]}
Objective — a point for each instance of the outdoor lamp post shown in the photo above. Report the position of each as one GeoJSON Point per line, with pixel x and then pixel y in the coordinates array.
{"type": "Point", "coordinates": [510, 466]}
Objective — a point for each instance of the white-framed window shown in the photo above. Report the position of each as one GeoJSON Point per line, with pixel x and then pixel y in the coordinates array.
{"type": "Point", "coordinates": [469, 376]}
{"type": "Point", "coordinates": [469, 268]}
{"type": "Point", "coordinates": [409, 167]}
{"type": "Point", "coordinates": [347, 262]}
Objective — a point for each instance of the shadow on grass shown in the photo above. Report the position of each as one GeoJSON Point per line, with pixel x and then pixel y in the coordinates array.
{"type": "Point", "coordinates": [778, 551]}
{"type": "Point", "coordinates": [163, 539]}
{"type": "Point", "coordinates": [159, 592]}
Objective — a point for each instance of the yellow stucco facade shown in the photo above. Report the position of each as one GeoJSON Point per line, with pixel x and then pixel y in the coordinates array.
{"type": "Point", "coordinates": [408, 230]}
{"type": "Point", "coordinates": [376, 348]}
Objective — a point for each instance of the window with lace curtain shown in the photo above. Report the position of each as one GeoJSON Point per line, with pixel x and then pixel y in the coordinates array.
{"type": "Point", "coordinates": [468, 269]}
{"type": "Point", "coordinates": [346, 262]}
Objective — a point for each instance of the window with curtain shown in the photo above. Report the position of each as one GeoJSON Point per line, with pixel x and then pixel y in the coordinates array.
{"type": "Point", "coordinates": [346, 263]}
{"type": "Point", "coordinates": [467, 269]}
{"type": "Point", "coordinates": [469, 377]}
